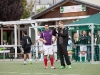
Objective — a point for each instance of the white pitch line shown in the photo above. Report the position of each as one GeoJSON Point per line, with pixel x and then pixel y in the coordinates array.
{"type": "Point", "coordinates": [55, 74]}
{"type": "Point", "coordinates": [13, 73]}
{"type": "Point", "coordinates": [71, 74]}
{"type": "Point", "coordinates": [25, 73]}
{"type": "Point", "coordinates": [8, 72]}
{"type": "Point", "coordinates": [44, 73]}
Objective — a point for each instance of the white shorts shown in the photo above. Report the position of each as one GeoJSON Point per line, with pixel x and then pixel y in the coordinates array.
{"type": "Point", "coordinates": [40, 47]}
{"type": "Point", "coordinates": [48, 49]}
{"type": "Point", "coordinates": [83, 48]}
{"type": "Point", "coordinates": [54, 48]}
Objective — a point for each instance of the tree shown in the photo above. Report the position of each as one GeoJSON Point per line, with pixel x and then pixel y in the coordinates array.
{"type": "Point", "coordinates": [41, 9]}
{"type": "Point", "coordinates": [10, 10]}
{"type": "Point", "coordinates": [27, 8]}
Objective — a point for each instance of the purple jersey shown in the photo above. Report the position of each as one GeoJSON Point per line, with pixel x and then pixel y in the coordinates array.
{"type": "Point", "coordinates": [47, 35]}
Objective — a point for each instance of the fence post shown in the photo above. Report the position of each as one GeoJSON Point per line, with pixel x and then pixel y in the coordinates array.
{"type": "Point", "coordinates": [15, 35]}
{"type": "Point", "coordinates": [36, 32]}
{"type": "Point", "coordinates": [92, 41]}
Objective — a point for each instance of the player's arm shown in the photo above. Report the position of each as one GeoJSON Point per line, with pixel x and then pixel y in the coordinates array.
{"type": "Point", "coordinates": [44, 41]}
{"type": "Point", "coordinates": [54, 32]}
{"type": "Point", "coordinates": [30, 40]}
{"type": "Point", "coordinates": [54, 39]}
{"type": "Point", "coordinates": [41, 38]}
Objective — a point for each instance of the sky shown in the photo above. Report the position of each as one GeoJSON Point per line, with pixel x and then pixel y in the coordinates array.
{"type": "Point", "coordinates": [45, 1]}
{"type": "Point", "coordinates": [96, 2]}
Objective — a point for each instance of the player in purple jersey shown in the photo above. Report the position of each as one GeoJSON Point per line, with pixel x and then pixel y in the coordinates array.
{"type": "Point", "coordinates": [46, 38]}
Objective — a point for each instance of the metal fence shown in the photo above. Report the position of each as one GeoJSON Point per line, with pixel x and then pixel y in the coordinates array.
{"type": "Point", "coordinates": [85, 46]}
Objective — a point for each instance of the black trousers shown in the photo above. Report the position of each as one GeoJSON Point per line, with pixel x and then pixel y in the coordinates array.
{"type": "Point", "coordinates": [62, 50]}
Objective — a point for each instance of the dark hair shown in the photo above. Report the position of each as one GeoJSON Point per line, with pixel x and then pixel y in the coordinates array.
{"type": "Point", "coordinates": [47, 24]}
{"type": "Point", "coordinates": [25, 32]}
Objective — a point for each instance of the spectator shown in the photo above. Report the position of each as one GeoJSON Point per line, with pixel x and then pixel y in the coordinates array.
{"type": "Point", "coordinates": [89, 47]}
{"type": "Point", "coordinates": [83, 47]}
{"type": "Point", "coordinates": [69, 48]}
{"type": "Point", "coordinates": [76, 47]}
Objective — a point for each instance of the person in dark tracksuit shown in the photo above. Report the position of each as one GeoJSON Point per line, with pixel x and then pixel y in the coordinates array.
{"type": "Point", "coordinates": [26, 45]}
{"type": "Point", "coordinates": [62, 42]}
{"type": "Point", "coordinates": [89, 47]}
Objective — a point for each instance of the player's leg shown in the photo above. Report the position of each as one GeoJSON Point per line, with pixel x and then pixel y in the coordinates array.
{"type": "Point", "coordinates": [45, 56]}
{"type": "Point", "coordinates": [81, 52]}
{"type": "Point", "coordinates": [70, 54]}
{"type": "Point", "coordinates": [88, 53]}
{"type": "Point", "coordinates": [51, 56]}
{"type": "Point", "coordinates": [24, 57]}
{"type": "Point", "coordinates": [55, 56]}
{"type": "Point", "coordinates": [41, 53]}
{"type": "Point", "coordinates": [65, 53]}
{"type": "Point", "coordinates": [55, 52]}
{"type": "Point", "coordinates": [85, 52]}
{"type": "Point", "coordinates": [41, 57]}
{"type": "Point", "coordinates": [61, 56]}
{"type": "Point", "coordinates": [29, 55]}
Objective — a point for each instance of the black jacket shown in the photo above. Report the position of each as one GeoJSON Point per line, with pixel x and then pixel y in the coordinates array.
{"type": "Point", "coordinates": [64, 35]}
{"type": "Point", "coordinates": [24, 41]}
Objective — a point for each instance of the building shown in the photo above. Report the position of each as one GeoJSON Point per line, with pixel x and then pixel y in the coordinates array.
{"type": "Point", "coordinates": [73, 9]}
{"type": "Point", "coordinates": [55, 11]}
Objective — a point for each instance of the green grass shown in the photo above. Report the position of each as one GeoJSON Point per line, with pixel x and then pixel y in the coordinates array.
{"type": "Point", "coordinates": [37, 68]}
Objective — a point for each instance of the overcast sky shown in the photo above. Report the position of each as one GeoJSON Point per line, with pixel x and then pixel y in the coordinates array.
{"type": "Point", "coordinates": [96, 2]}
{"type": "Point", "coordinates": [45, 1]}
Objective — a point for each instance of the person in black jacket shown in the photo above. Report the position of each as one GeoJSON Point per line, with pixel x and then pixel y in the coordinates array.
{"type": "Point", "coordinates": [26, 45]}
{"type": "Point", "coordinates": [62, 42]}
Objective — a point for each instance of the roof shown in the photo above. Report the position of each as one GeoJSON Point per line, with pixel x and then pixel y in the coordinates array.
{"type": "Point", "coordinates": [91, 19]}
{"type": "Point", "coordinates": [61, 3]}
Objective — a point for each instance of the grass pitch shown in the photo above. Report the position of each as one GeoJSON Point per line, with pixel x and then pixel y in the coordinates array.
{"type": "Point", "coordinates": [37, 68]}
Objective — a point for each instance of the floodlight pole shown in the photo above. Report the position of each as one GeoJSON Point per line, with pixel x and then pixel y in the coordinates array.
{"type": "Point", "coordinates": [92, 41]}
{"type": "Point", "coordinates": [15, 35]}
